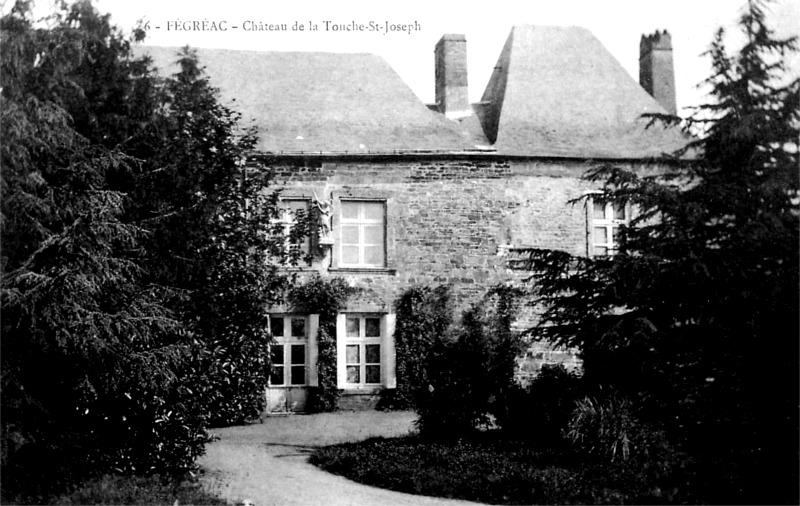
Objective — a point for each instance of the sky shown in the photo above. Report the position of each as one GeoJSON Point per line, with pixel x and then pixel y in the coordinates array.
{"type": "Point", "coordinates": [618, 24]}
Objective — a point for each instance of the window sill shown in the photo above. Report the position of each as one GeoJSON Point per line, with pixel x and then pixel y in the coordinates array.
{"type": "Point", "coordinates": [365, 390]}
{"type": "Point", "coordinates": [364, 270]}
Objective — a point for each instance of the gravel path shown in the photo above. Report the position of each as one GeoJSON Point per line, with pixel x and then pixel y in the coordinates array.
{"type": "Point", "coordinates": [267, 463]}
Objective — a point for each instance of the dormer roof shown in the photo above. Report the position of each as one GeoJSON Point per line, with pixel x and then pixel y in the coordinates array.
{"type": "Point", "coordinates": [556, 91]}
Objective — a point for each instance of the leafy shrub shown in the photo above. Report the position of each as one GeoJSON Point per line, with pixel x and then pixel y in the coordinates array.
{"type": "Point", "coordinates": [471, 372]}
{"type": "Point", "coordinates": [324, 397]}
{"type": "Point", "coordinates": [423, 317]}
{"type": "Point", "coordinates": [603, 429]}
{"type": "Point", "coordinates": [611, 431]}
{"type": "Point", "coordinates": [542, 411]}
{"type": "Point", "coordinates": [456, 402]}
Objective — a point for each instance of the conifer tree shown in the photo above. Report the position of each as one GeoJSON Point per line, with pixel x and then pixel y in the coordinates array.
{"type": "Point", "coordinates": [92, 357]}
{"type": "Point", "coordinates": [138, 255]}
{"type": "Point", "coordinates": [696, 316]}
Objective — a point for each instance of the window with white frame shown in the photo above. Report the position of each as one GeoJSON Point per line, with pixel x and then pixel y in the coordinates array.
{"type": "Point", "coordinates": [606, 218]}
{"type": "Point", "coordinates": [290, 210]}
{"type": "Point", "coordinates": [363, 349]}
{"type": "Point", "coordinates": [362, 233]}
{"type": "Point", "coordinates": [289, 351]}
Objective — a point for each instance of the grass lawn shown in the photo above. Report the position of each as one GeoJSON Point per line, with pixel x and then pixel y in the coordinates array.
{"type": "Point", "coordinates": [113, 489]}
{"type": "Point", "coordinates": [494, 471]}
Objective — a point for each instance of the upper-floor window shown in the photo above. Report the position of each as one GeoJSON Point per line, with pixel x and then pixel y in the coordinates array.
{"type": "Point", "coordinates": [362, 233]}
{"type": "Point", "coordinates": [606, 218]}
{"type": "Point", "coordinates": [290, 211]}
{"type": "Point", "coordinates": [289, 351]}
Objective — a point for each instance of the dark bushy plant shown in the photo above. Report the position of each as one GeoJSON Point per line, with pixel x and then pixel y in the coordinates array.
{"type": "Point", "coordinates": [540, 413]}
{"type": "Point", "coordinates": [423, 318]}
{"type": "Point", "coordinates": [609, 432]}
{"type": "Point", "coordinates": [607, 429]}
{"type": "Point", "coordinates": [471, 372]}
{"type": "Point", "coordinates": [697, 318]}
{"type": "Point", "coordinates": [129, 263]}
{"type": "Point", "coordinates": [94, 357]}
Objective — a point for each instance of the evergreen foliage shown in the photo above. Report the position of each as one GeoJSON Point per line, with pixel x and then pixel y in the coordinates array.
{"type": "Point", "coordinates": [215, 238]}
{"type": "Point", "coordinates": [696, 318]}
{"type": "Point", "coordinates": [92, 357]}
{"type": "Point", "coordinates": [471, 372]}
{"type": "Point", "coordinates": [541, 412]}
{"type": "Point", "coordinates": [138, 255]}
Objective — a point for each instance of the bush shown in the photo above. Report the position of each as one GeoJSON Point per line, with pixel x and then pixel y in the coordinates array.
{"type": "Point", "coordinates": [324, 397]}
{"type": "Point", "coordinates": [611, 431]}
{"type": "Point", "coordinates": [423, 317]}
{"type": "Point", "coordinates": [542, 411]}
{"type": "Point", "coordinates": [471, 373]}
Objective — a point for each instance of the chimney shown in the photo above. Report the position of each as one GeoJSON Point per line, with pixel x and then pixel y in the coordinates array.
{"type": "Point", "coordinates": [451, 76]}
{"type": "Point", "coordinates": [656, 70]}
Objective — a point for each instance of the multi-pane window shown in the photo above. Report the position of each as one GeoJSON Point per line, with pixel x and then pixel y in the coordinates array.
{"type": "Point", "coordinates": [362, 234]}
{"type": "Point", "coordinates": [290, 210]}
{"type": "Point", "coordinates": [363, 350]}
{"type": "Point", "coordinates": [607, 217]}
{"type": "Point", "coordinates": [288, 353]}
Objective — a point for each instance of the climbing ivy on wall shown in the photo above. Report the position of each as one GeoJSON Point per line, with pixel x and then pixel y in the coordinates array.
{"type": "Point", "coordinates": [423, 316]}
{"type": "Point", "coordinates": [325, 297]}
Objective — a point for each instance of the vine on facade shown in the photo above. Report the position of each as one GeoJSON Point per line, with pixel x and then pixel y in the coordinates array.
{"type": "Point", "coordinates": [325, 297]}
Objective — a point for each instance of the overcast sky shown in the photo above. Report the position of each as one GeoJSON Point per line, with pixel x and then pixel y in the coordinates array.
{"type": "Point", "coordinates": [618, 24]}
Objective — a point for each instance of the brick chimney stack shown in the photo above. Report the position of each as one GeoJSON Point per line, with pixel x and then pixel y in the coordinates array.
{"type": "Point", "coordinates": [451, 76]}
{"type": "Point", "coordinates": [656, 70]}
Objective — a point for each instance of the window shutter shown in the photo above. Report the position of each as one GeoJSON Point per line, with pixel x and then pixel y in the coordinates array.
{"type": "Point", "coordinates": [388, 375]}
{"type": "Point", "coordinates": [341, 350]}
{"type": "Point", "coordinates": [313, 333]}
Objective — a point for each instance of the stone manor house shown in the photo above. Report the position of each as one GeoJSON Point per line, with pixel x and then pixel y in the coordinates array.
{"type": "Point", "coordinates": [416, 194]}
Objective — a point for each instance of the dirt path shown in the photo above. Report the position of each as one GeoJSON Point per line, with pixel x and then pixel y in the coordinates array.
{"type": "Point", "coordinates": [267, 463]}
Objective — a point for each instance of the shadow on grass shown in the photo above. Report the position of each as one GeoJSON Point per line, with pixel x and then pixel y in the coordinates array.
{"type": "Point", "coordinates": [294, 450]}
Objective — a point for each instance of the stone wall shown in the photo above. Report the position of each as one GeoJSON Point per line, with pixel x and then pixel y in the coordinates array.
{"type": "Point", "coordinates": [451, 221]}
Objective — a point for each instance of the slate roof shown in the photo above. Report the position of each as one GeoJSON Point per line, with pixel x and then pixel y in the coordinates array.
{"type": "Point", "coordinates": [321, 102]}
{"type": "Point", "coordinates": [556, 91]}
